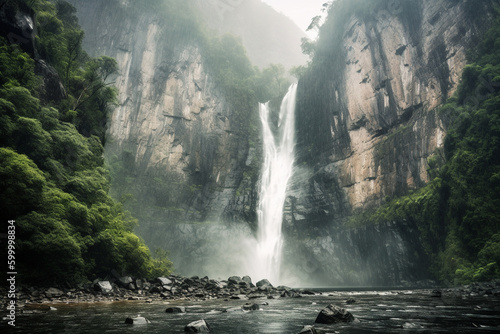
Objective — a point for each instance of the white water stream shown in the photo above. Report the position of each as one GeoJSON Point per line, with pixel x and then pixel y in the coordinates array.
{"type": "Point", "coordinates": [276, 171]}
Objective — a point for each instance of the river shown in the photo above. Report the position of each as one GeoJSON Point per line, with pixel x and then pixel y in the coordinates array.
{"type": "Point", "coordinates": [376, 312]}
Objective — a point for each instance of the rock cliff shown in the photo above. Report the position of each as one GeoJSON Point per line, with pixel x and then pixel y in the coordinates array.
{"type": "Point", "coordinates": [368, 117]}
{"type": "Point", "coordinates": [170, 141]}
{"type": "Point", "coordinates": [367, 120]}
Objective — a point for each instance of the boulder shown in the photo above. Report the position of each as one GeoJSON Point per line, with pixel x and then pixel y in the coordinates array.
{"type": "Point", "coordinates": [234, 279]}
{"type": "Point", "coordinates": [250, 307]}
{"type": "Point", "coordinates": [125, 281]}
{"type": "Point", "coordinates": [176, 309]}
{"type": "Point", "coordinates": [334, 314]}
{"type": "Point", "coordinates": [350, 301]}
{"type": "Point", "coordinates": [247, 279]}
{"type": "Point", "coordinates": [137, 321]}
{"type": "Point", "coordinates": [264, 283]}
{"type": "Point", "coordinates": [156, 289]}
{"type": "Point", "coordinates": [103, 287]}
{"type": "Point", "coordinates": [163, 281]}
{"type": "Point", "coordinates": [200, 326]}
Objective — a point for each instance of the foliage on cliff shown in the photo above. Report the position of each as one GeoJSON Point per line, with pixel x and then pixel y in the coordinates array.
{"type": "Point", "coordinates": [52, 174]}
{"type": "Point", "coordinates": [458, 212]}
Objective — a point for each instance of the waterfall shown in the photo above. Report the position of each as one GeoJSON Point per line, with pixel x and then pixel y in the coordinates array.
{"type": "Point", "coordinates": [276, 171]}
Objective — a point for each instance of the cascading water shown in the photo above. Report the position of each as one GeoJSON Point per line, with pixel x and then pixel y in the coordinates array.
{"type": "Point", "coordinates": [276, 171]}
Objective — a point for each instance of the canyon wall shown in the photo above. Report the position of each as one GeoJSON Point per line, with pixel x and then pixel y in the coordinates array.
{"type": "Point", "coordinates": [368, 117]}
{"type": "Point", "coordinates": [171, 143]}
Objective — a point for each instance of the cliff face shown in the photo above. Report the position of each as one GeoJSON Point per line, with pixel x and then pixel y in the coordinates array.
{"type": "Point", "coordinates": [375, 105]}
{"type": "Point", "coordinates": [367, 120]}
{"type": "Point", "coordinates": [170, 141]}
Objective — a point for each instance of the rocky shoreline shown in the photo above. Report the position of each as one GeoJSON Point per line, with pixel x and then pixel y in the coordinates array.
{"type": "Point", "coordinates": [175, 287]}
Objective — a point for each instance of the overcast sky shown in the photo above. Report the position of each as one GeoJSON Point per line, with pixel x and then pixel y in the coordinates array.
{"type": "Point", "coordinates": [300, 11]}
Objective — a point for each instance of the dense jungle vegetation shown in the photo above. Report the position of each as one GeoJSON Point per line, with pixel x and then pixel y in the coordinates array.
{"type": "Point", "coordinates": [53, 178]}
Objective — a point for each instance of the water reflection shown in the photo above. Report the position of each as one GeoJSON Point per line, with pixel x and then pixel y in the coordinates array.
{"type": "Point", "coordinates": [377, 312]}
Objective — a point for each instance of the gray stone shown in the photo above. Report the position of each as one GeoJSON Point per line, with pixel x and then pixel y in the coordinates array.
{"type": "Point", "coordinates": [103, 287]}
{"type": "Point", "coordinates": [176, 309]}
{"type": "Point", "coordinates": [247, 279]}
{"type": "Point", "coordinates": [264, 283]}
{"type": "Point", "coordinates": [163, 281]}
{"type": "Point", "coordinates": [234, 279]}
{"type": "Point", "coordinates": [125, 281]}
{"type": "Point", "coordinates": [333, 314]}
{"type": "Point", "coordinates": [250, 307]}
{"type": "Point", "coordinates": [199, 326]}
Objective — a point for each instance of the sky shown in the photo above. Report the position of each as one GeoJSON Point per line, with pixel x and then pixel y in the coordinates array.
{"type": "Point", "coordinates": [300, 11]}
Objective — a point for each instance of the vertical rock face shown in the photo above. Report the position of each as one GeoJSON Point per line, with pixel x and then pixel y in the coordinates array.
{"type": "Point", "coordinates": [375, 110]}
{"type": "Point", "coordinates": [170, 140]}
{"type": "Point", "coordinates": [367, 120]}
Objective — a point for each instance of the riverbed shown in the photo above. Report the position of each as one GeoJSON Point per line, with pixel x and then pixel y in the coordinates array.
{"type": "Point", "coordinates": [395, 311]}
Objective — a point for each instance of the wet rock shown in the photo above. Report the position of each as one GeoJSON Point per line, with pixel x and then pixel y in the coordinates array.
{"type": "Point", "coordinates": [176, 309]}
{"type": "Point", "coordinates": [104, 287]}
{"type": "Point", "coordinates": [200, 326]}
{"type": "Point", "coordinates": [308, 292]}
{"type": "Point", "coordinates": [334, 314]}
{"type": "Point", "coordinates": [137, 321]}
{"type": "Point", "coordinates": [250, 307]}
{"type": "Point", "coordinates": [350, 301]}
{"type": "Point", "coordinates": [264, 284]}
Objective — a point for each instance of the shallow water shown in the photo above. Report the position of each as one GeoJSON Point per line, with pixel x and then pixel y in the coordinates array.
{"type": "Point", "coordinates": [375, 311]}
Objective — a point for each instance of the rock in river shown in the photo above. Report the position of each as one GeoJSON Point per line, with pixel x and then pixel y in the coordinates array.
{"type": "Point", "coordinates": [176, 309]}
{"type": "Point", "coordinates": [250, 307]}
{"type": "Point", "coordinates": [200, 326]}
{"type": "Point", "coordinates": [137, 321]}
{"type": "Point", "coordinates": [333, 314]}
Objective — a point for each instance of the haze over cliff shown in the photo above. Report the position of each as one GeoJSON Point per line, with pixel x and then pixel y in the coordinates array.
{"type": "Point", "coordinates": [367, 122]}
